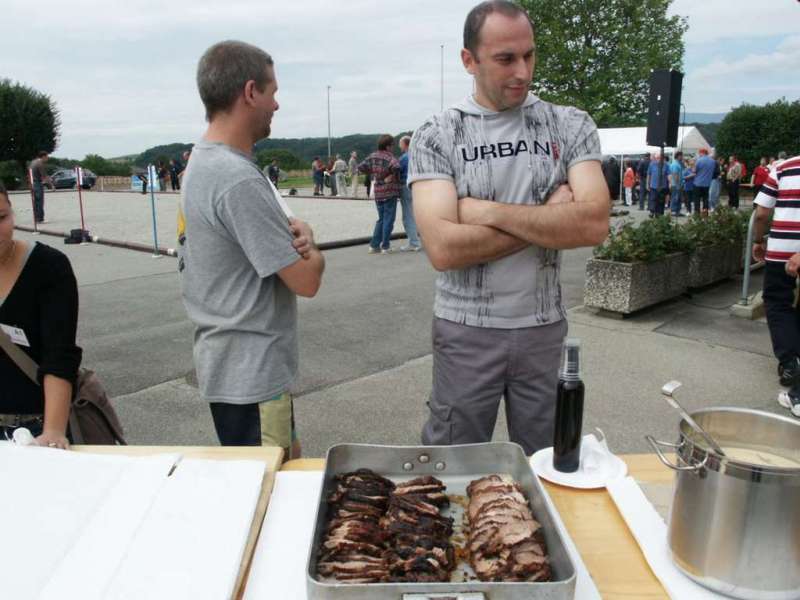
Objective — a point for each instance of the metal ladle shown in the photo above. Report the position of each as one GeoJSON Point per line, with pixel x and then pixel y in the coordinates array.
{"type": "Point", "coordinates": [667, 391]}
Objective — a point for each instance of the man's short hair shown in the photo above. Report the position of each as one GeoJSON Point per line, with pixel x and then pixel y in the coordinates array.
{"type": "Point", "coordinates": [679, 154]}
{"type": "Point", "coordinates": [223, 71]}
{"type": "Point", "coordinates": [477, 17]}
{"type": "Point", "coordinates": [385, 141]}
{"type": "Point", "coordinates": [41, 154]}
{"type": "Point", "coordinates": [703, 150]}
{"type": "Point", "coordinates": [406, 139]}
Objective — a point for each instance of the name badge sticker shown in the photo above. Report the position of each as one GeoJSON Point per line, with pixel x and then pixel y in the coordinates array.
{"type": "Point", "coordinates": [16, 334]}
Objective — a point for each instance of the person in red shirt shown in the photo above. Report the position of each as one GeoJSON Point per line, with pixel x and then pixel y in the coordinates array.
{"type": "Point", "coordinates": [760, 174]}
{"type": "Point", "coordinates": [628, 181]}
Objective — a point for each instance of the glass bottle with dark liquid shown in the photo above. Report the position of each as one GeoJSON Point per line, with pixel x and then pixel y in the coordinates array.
{"type": "Point", "coordinates": [569, 411]}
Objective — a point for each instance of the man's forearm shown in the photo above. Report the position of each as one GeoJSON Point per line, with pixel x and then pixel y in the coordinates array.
{"type": "Point", "coordinates": [760, 224]}
{"type": "Point", "coordinates": [459, 245]}
{"type": "Point", "coordinates": [558, 226]}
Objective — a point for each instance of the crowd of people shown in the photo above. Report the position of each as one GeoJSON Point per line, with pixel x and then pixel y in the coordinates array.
{"type": "Point", "coordinates": [687, 185]}
{"type": "Point", "coordinates": [494, 205]}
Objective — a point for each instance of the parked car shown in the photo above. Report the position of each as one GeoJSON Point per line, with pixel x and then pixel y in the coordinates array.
{"type": "Point", "coordinates": [66, 179]}
{"type": "Point", "coordinates": [89, 179]}
{"type": "Point", "coordinates": [63, 179]}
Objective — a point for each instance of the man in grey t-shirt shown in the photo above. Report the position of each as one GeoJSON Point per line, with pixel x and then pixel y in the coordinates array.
{"type": "Point", "coordinates": [502, 181]}
{"type": "Point", "coordinates": [243, 260]}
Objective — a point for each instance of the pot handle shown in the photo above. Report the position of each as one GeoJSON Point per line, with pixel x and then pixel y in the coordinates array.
{"type": "Point", "coordinates": [655, 445]}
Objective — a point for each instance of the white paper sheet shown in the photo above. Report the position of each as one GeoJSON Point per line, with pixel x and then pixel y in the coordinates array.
{"type": "Point", "coordinates": [279, 565]}
{"type": "Point", "coordinates": [103, 543]}
{"type": "Point", "coordinates": [191, 542]}
{"type": "Point", "coordinates": [49, 497]}
{"type": "Point", "coordinates": [650, 532]}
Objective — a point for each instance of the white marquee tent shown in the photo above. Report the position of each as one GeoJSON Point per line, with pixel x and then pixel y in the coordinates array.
{"type": "Point", "coordinates": [631, 141]}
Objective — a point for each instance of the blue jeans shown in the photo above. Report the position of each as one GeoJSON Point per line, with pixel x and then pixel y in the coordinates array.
{"type": "Point", "coordinates": [713, 193]}
{"type": "Point", "coordinates": [409, 224]}
{"type": "Point", "coordinates": [38, 202]}
{"type": "Point", "coordinates": [656, 201]}
{"type": "Point", "coordinates": [382, 234]}
{"type": "Point", "coordinates": [675, 200]}
{"type": "Point", "coordinates": [642, 193]}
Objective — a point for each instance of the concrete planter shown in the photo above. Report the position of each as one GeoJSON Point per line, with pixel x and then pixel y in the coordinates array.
{"type": "Point", "coordinates": [628, 287]}
{"type": "Point", "coordinates": [709, 264]}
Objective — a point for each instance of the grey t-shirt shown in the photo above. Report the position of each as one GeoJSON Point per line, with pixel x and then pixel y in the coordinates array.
{"type": "Point", "coordinates": [235, 241]}
{"type": "Point", "coordinates": [518, 156]}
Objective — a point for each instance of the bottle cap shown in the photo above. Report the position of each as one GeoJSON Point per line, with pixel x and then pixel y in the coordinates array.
{"type": "Point", "coordinates": [571, 364]}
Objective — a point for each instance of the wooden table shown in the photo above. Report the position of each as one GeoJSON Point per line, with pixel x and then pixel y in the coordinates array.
{"type": "Point", "coordinates": [270, 456]}
{"type": "Point", "coordinates": [607, 547]}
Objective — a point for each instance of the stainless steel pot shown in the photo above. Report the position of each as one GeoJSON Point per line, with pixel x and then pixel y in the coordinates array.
{"type": "Point", "coordinates": [734, 526]}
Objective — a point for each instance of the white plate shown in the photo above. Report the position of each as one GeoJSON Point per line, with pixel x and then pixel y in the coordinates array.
{"type": "Point", "coordinates": [609, 467]}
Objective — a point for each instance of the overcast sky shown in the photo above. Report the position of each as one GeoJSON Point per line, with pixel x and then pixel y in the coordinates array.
{"type": "Point", "coordinates": [122, 71]}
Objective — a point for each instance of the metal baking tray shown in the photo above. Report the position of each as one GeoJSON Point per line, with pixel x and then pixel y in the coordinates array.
{"type": "Point", "coordinates": [455, 466]}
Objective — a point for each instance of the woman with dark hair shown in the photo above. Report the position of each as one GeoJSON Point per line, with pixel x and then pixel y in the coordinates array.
{"type": "Point", "coordinates": [39, 319]}
{"type": "Point", "coordinates": [383, 170]}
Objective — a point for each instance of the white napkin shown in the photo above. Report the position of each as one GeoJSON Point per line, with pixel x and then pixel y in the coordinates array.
{"type": "Point", "coordinates": [279, 564]}
{"type": "Point", "coordinates": [278, 569]}
{"type": "Point", "coordinates": [650, 532]}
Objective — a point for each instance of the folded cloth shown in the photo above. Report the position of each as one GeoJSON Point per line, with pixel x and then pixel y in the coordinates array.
{"type": "Point", "coordinates": [650, 531]}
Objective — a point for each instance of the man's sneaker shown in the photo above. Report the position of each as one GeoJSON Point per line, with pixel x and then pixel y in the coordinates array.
{"type": "Point", "coordinates": [790, 401]}
{"type": "Point", "coordinates": [789, 372]}
{"type": "Point", "coordinates": [410, 248]}
{"type": "Point", "coordinates": [386, 250]}
{"type": "Point", "coordinates": [372, 250]}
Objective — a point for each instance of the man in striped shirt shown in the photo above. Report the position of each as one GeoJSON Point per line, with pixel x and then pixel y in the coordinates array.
{"type": "Point", "coordinates": [780, 194]}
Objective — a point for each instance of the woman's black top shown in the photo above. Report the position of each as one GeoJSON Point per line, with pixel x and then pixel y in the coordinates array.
{"type": "Point", "coordinates": [44, 304]}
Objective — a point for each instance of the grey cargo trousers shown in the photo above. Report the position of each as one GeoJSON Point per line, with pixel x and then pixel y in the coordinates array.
{"type": "Point", "coordinates": [473, 367]}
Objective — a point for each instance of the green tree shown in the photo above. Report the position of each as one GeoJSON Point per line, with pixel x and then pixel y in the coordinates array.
{"type": "Point", "coordinates": [102, 166]}
{"type": "Point", "coordinates": [598, 54]}
{"type": "Point", "coordinates": [751, 132]}
{"type": "Point", "coordinates": [286, 160]}
{"type": "Point", "coordinates": [29, 122]}
{"type": "Point", "coordinates": [151, 156]}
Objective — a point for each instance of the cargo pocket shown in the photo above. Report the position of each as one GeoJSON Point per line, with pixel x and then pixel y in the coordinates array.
{"type": "Point", "coordinates": [438, 430]}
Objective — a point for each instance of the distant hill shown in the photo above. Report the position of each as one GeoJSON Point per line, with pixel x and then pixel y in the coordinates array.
{"type": "Point", "coordinates": [304, 148]}
{"type": "Point", "coordinates": [703, 117]}
{"type": "Point", "coordinates": [308, 148]}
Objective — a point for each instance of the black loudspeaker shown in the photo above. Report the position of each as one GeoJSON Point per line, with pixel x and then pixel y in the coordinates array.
{"type": "Point", "coordinates": [665, 107]}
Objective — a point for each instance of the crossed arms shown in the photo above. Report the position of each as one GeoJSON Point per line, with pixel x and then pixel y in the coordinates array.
{"type": "Point", "coordinates": [461, 232]}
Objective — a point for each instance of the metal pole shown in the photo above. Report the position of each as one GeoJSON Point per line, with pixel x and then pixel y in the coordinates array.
{"type": "Point", "coordinates": [441, 78]}
{"type": "Point", "coordinates": [660, 174]}
{"type": "Point", "coordinates": [683, 126]}
{"type": "Point", "coordinates": [748, 246]}
{"type": "Point", "coordinates": [329, 122]}
{"type": "Point", "coordinates": [79, 179]}
{"type": "Point", "coordinates": [151, 174]}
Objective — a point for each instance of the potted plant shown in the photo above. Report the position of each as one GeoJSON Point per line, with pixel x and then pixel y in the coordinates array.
{"type": "Point", "coordinates": [717, 240]}
{"type": "Point", "coordinates": [639, 266]}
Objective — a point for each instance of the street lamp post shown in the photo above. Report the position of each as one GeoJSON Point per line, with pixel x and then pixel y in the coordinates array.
{"type": "Point", "coordinates": [329, 122]}
{"type": "Point", "coordinates": [441, 78]}
{"type": "Point", "coordinates": [683, 125]}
